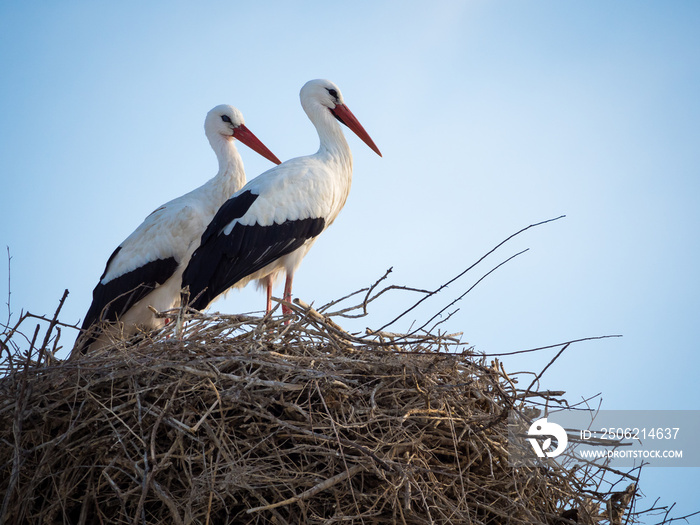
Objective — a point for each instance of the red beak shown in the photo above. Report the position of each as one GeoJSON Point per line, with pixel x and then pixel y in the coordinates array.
{"type": "Point", "coordinates": [246, 137]}
{"type": "Point", "coordinates": [344, 115]}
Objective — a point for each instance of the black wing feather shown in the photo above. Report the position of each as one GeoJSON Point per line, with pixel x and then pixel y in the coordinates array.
{"type": "Point", "coordinates": [223, 260]}
{"type": "Point", "coordinates": [232, 209]}
{"type": "Point", "coordinates": [112, 299]}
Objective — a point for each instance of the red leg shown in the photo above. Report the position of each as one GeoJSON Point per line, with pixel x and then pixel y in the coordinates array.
{"type": "Point", "coordinates": [287, 294]}
{"type": "Point", "coordinates": [268, 286]}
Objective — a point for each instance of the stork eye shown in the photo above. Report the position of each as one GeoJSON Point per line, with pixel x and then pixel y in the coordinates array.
{"type": "Point", "coordinates": [226, 119]}
{"type": "Point", "coordinates": [333, 93]}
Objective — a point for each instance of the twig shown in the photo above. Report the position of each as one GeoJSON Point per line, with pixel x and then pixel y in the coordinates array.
{"type": "Point", "coordinates": [470, 289]}
{"type": "Point", "coordinates": [9, 285]}
{"type": "Point", "coordinates": [17, 459]}
{"type": "Point", "coordinates": [52, 324]}
{"type": "Point", "coordinates": [539, 375]}
{"type": "Point", "coordinates": [443, 286]}
{"type": "Point", "coordinates": [557, 345]}
{"type": "Point", "coordinates": [313, 490]}
{"type": "Point", "coordinates": [364, 303]}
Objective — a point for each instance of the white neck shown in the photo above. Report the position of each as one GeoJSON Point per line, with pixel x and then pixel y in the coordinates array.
{"type": "Point", "coordinates": [335, 153]}
{"type": "Point", "coordinates": [231, 175]}
{"type": "Point", "coordinates": [334, 146]}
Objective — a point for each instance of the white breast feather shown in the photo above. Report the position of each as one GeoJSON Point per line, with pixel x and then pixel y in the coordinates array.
{"type": "Point", "coordinates": [167, 232]}
{"type": "Point", "coordinates": [302, 190]}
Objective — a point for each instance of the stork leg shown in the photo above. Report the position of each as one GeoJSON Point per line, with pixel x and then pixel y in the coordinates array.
{"type": "Point", "coordinates": [287, 295]}
{"type": "Point", "coordinates": [268, 288]}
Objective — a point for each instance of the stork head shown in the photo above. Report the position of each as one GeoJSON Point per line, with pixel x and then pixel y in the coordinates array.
{"type": "Point", "coordinates": [226, 123]}
{"type": "Point", "coordinates": [223, 120]}
{"type": "Point", "coordinates": [326, 95]}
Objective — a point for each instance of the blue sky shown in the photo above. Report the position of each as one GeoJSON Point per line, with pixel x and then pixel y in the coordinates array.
{"type": "Point", "coordinates": [490, 116]}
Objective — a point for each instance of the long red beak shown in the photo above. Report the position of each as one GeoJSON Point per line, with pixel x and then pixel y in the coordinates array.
{"type": "Point", "coordinates": [246, 137]}
{"type": "Point", "coordinates": [344, 115]}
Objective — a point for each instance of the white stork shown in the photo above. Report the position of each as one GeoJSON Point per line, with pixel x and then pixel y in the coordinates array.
{"type": "Point", "coordinates": [146, 269]}
{"type": "Point", "coordinates": [269, 225]}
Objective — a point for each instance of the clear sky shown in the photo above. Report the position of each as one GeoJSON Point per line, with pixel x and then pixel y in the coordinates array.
{"type": "Point", "coordinates": [490, 116]}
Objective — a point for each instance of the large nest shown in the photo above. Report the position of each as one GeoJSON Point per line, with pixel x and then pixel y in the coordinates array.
{"type": "Point", "coordinates": [247, 420]}
{"type": "Point", "coordinates": [235, 419]}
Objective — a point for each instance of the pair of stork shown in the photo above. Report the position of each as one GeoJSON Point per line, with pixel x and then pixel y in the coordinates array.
{"type": "Point", "coordinates": [227, 233]}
